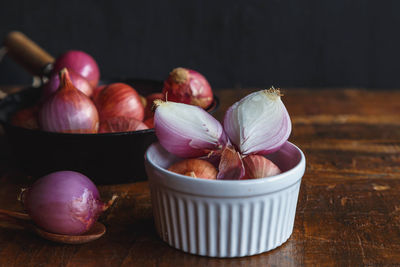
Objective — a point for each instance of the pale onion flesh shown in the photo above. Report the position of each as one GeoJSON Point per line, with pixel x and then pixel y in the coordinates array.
{"type": "Point", "coordinates": [259, 123]}
{"type": "Point", "coordinates": [186, 130]}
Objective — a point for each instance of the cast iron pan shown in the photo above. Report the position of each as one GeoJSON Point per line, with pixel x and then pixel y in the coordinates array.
{"type": "Point", "coordinates": [108, 158]}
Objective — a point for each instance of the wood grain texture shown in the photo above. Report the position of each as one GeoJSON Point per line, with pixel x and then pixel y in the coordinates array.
{"type": "Point", "coordinates": [348, 212]}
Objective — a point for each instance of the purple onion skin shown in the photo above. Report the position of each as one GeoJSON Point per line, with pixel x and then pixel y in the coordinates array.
{"type": "Point", "coordinates": [68, 110]}
{"type": "Point", "coordinates": [77, 80]}
{"type": "Point", "coordinates": [64, 202]}
{"type": "Point", "coordinates": [80, 62]}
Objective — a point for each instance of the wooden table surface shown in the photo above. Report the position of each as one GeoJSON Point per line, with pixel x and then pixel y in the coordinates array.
{"type": "Point", "coordinates": [348, 213]}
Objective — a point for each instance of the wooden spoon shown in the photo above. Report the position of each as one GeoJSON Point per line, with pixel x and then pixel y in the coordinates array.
{"type": "Point", "coordinates": [23, 220]}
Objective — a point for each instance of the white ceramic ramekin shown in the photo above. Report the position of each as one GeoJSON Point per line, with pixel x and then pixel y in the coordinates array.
{"type": "Point", "coordinates": [224, 218]}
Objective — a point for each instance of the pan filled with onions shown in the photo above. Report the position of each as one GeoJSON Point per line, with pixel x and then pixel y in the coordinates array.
{"type": "Point", "coordinates": [75, 121]}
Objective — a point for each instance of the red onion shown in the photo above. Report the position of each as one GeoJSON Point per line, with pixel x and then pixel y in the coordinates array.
{"type": "Point", "coordinates": [77, 80]}
{"type": "Point", "coordinates": [189, 87]}
{"type": "Point", "coordinates": [187, 130]}
{"type": "Point", "coordinates": [82, 63]}
{"type": "Point", "coordinates": [119, 100]}
{"type": "Point", "coordinates": [64, 202]}
{"type": "Point", "coordinates": [258, 123]}
{"type": "Point", "coordinates": [96, 92]}
{"type": "Point", "coordinates": [68, 110]}
{"type": "Point", "coordinates": [121, 124]}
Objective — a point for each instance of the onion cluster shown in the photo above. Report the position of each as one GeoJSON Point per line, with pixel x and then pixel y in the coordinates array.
{"type": "Point", "coordinates": [255, 126]}
{"type": "Point", "coordinates": [73, 102]}
{"type": "Point", "coordinates": [115, 108]}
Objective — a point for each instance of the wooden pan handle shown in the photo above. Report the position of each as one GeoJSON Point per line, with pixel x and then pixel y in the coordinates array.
{"type": "Point", "coordinates": [27, 53]}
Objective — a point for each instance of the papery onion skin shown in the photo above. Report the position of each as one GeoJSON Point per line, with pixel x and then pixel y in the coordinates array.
{"type": "Point", "coordinates": [253, 127]}
{"type": "Point", "coordinates": [77, 80]}
{"type": "Point", "coordinates": [81, 62]}
{"type": "Point", "coordinates": [96, 92]}
{"type": "Point", "coordinates": [119, 100]}
{"type": "Point", "coordinates": [189, 87]}
{"type": "Point", "coordinates": [187, 131]}
{"type": "Point", "coordinates": [68, 110]}
{"type": "Point", "coordinates": [196, 168]}
{"type": "Point", "coordinates": [121, 124]}
{"type": "Point", "coordinates": [257, 166]}
{"type": "Point", "coordinates": [64, 202]}
{"type": "Point", "coordinates": [230, 165]}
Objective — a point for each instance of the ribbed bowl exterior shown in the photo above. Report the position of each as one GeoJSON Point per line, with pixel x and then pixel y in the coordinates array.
{"type": "Point", "coordinates": [199, 221]}
{"type": "Point", "coordinates": [229, 228]}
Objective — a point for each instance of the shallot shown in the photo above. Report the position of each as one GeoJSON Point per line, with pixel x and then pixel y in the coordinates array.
{"type": "Point", "coordinates": [80, 62]}
{"type": "Point", "coordinates": [187, 130]}
{"type": "Point", "coordinates": [257, 166]}
{"type": "Point", "coordinates": [64, 202]}
{"type": "Point", "coordinates": [196, 168]}
{"type": "Point", "coordinates": [77, 80]}
{"type": "Point", "coordinates": [189, 87]}
{"type": "Point", "coordinates": [119, 100]}
{"type": "Point", "coordinates": [258, 123]}
{"type": "Point", "coordinates": [68, 110]}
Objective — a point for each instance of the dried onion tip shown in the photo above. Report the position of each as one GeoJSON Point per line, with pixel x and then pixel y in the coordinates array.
{"type": "Point", "coordinates": [80, 62]}
{"type": "Point", "coordinates": [77, 80]}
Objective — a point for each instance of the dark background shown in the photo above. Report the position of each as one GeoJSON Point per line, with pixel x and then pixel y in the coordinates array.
{"type": "Point", "coordinates": [301, 43]}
